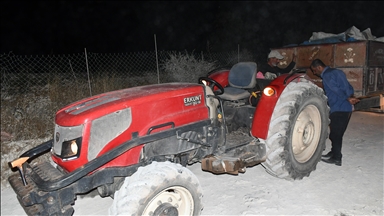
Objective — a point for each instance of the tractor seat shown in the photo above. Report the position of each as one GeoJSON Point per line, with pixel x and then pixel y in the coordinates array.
{"type": "Point", "coordinates": [242, 77]}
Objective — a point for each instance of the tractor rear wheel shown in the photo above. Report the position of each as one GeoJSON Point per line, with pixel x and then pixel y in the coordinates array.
{"type": "Point", "coordinates": [161, 188]}
{"type": "Point", "coordinates": [298, 131]}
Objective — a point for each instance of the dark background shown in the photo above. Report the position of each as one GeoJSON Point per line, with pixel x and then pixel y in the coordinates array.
{"type": "Point", "coordinates": [66, 27]}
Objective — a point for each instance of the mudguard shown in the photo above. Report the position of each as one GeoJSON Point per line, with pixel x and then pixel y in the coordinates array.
{"type": "Point", "coordinates": [221, 77]}
{"type": "Point", "coordinates": [266, 105]}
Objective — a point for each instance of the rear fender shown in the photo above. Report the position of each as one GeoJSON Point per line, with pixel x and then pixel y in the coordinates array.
{"type": "Point", "coordinates": [266, 105]}
{"type": "Point", "coordinates": [221, 77]}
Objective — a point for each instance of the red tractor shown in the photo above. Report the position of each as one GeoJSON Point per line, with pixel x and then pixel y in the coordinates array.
{"type": "Point", "coordinates": [134, 144]}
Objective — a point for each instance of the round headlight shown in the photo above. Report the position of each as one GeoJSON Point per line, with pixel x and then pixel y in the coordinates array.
{"type": "Point", "coordinates": [269, 91]}
{"type": "Point", "coordinates": [74, 147]}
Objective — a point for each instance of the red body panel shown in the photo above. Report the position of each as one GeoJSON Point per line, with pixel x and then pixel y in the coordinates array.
{"type": "Point", "coordinates": [221, 77]}
{"type": "Point", "coordinates": [179, 103]}
{"type": "Point", "coordinates": [266, 105]}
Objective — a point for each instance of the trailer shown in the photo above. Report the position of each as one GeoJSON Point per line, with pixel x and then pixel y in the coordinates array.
{"type": "Point", "coordinates": [361, 61]}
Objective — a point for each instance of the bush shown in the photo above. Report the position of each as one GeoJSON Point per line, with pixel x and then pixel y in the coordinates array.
{"type": "Point", "coordinates": [185, 67]}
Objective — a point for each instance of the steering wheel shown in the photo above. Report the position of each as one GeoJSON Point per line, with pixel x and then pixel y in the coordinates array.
{"type": "Point", "coordinates": [212, 84]}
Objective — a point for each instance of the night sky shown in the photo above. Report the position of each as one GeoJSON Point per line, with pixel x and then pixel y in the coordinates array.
{"type": "Point", "coordinates": [67, 27]}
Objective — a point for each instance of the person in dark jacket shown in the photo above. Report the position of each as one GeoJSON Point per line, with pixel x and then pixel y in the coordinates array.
{"type": "Point", "coordinates": [341, 99]}
{"type": "Point", "coordinates": [274, 58]}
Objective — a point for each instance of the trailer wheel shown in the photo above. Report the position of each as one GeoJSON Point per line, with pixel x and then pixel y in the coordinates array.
{"type": "Point", "coordinates": [161, 188]}
{"type": "Point", "coordinates": [297, 132]}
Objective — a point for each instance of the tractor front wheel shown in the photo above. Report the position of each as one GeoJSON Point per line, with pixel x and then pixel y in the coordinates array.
{"type": "Point", "coordinates": [161, 188]}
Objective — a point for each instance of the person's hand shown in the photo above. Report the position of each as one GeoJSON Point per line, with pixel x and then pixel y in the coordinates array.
{"type": "Point", "coordinates": [353, 100]}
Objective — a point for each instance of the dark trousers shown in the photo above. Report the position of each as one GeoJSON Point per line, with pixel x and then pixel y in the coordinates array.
{"type": "Point", "coordinates": [338, 125]}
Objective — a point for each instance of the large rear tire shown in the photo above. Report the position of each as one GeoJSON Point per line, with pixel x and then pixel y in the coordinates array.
{"type": "Point", "coordinates": [161, 188]}
{"type": "Point", "coordinates": [298, 131]}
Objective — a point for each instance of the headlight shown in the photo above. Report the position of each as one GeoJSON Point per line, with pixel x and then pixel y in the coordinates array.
{"type": "Point", "coordinates": [71, 149]}
{"type": "Point", "coordinates": [269, 91]}
{"type": "Point", "coordinates": [68, 141]}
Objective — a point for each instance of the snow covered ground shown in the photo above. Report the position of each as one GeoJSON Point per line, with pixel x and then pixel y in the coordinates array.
{"type": "Point", "coordinates": [355, 188]}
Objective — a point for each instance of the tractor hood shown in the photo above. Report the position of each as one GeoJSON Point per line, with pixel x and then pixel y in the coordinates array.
{"type": "Point", "coordinates": [153, 96]}
{"type": "Point", "coordinates": [95, 125]}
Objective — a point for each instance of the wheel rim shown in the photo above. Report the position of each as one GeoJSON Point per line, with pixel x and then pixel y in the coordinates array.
{"type": "Point", "coordinates": [170, 201]}
{"type": "Point", "coordinates": [306, 134]}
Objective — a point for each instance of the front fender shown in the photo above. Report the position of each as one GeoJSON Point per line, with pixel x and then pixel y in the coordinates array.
{"type": "Point", "coordinates": [266, 105]}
